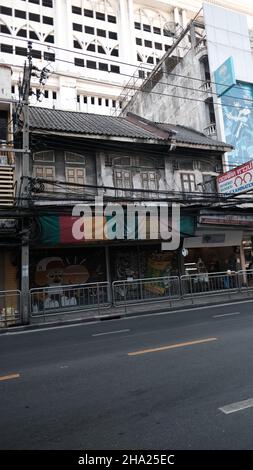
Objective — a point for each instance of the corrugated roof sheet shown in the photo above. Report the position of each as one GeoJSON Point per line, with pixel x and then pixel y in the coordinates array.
{"type": "Point", "coordinates": [96, 124]}
{"type": "Point", "coordinates": [190, 136]}
{"type": "Point", "coordinates": [86, 123]}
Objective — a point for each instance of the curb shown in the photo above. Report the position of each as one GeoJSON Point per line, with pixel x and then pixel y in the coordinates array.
{"type": "Point", "coordinates": [77, 321]}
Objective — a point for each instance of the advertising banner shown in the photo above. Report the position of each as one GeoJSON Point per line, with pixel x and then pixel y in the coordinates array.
{"type": "Point", "coordinates": [236, 181]}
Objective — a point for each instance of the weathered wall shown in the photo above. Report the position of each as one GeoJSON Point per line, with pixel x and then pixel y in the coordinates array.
{"type": "Point", "coordinates": [174, 98]}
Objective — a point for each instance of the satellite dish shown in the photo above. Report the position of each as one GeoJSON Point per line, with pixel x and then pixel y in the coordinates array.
{"type": "Point", "coordinates": [173, 29]}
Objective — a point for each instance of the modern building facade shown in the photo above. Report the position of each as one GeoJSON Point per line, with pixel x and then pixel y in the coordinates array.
{"type": "Point", "coordinates": [210, 87]}
{"type": "Point", "coordinates": [91, 48]}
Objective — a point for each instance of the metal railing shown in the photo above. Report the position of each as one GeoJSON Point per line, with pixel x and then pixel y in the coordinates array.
{"type": "Point", "coordinates": [193, 285]}
{"type": "Point", "coordinates": [245, 281]}
{"type": "Point", "coordinates": [146, 290]}
{"type": "Point", "coordinates": [10, 303]}
{"type": "Point", "coordinates": [70, 298]}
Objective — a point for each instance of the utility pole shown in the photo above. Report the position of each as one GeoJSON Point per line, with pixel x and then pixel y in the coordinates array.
{"type": "Point", "coordinates": [24, 192]}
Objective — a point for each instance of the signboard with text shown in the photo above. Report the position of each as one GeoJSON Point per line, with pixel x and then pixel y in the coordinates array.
{"type": "Point", "coordinates": [236, 181]}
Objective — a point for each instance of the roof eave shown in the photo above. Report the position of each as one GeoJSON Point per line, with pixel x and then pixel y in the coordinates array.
{"type": "Point", "coordinates": [104, 137]}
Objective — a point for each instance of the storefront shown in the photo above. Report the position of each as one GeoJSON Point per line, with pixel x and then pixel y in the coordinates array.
{"type": "Point", "coordinates": [213, 250]}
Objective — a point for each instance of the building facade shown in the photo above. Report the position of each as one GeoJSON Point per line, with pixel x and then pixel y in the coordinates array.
{"type": "Point", "coordinates": [91, 48]}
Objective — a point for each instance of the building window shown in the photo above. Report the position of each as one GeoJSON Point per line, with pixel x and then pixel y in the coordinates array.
{"type": "Point", "coordinates": [106, 102]}
{"type": "Point", "coordinates": [147, 43]}
{"type": "Point", "coordinates": [103, 66]}
{"type": "Point", "coordinates": [76, 158]}
{"type": "Point", "coordinates": [101, 50]}
{"type": "Point", "coordinates": [46, 157]}
{"type": "Point", "coordinates": [188, 182]}
{"type": "Point", "coordinates": [37, 2]}
{"type": "Point", "coordinates": [76, 44]}
{"type": "Point", "coordinates": [150, 60]}
{"type": "Point", "coordinates": [210, 110]}
{"type": "Point", "coordinates": [101, 32]}
{"type": "Point", "coordinates": [114, 103]}
{"type": "Point", "coordinates": [156, 30]}
{"type": "Point", "coordinates": [49, 38]}
{"type": "Point", "coordinates": [20, 14]}
{"type": "Point", "coordinates": [47, 20]}
{"type": "Point", "coordinates": [4, 29]}
{"type": "Point", "coordinates": [147, 28]}
{"type": "Point", "coordinates": [88, 13]}
{"type": "Point", "coordinates": [46, 93]}
{"type": "Point", "coordinates": [6, 11]}
{"type": "Point", "coordinates": [209, 184]}
{"type": "Point", "coordinates": [89, 30]}
{"type": "Point", "coordinates": [100, 16]}
{"type": "Point", "coordinates": [33, 35]}
{"type": "Point", "coordinates": [113, 35]}
{"type": "Point", "coordinates": [91, 64]}
{"type": "Point", "coordinates": [122, 179]}
{"type": "Point", "coordinates": [158, 45]}
{"type": "Point", "coordinates": [78, 98]}
{"type": "Point", "coordinates": [34, 17]}
{"type": "Point", "coordinates": [78, 62]}
{"type": "Point", "coordinates": [141, 74]}
{"type": "Point", "coordinates": [92, 100]}
{"type": "Point", "coordinates": [76, 10]}
{"type": "Point", "coordinates": [22, 33]}
{"type": "Point", "coordinates": [111, 19]}
{"type": "Point", "coordinates": [85, 100]}
{"type": "Point", "coordinates": [115, 69]}
{"type": "Point", "coordinates": [49, 56]}
{"type": "Point", "coordinates": [21, 51]}
{"type": "Point", "coordinates": [47, 3]}
{"type": "Point", "coordinates": [76, 176]}
{"type": "Point", "coordinates": [77, 27]}
{"type": "Point", "coordinates": [45, 172]}
{"type": "Point", "coordinates": [54, 95]}
{"type": "Point", "coordinates": [115, 52]}
{"type": "Point", "coordinates": [36, 54]}
{"type": "Point", "coordinates": [168, 33]}
{"type": "Point", "coordinates": [99, 101]}
{"type": "Point", "coordinates": [137, 25]}
{"type": "Point", "coordinates": [91, 47]}
{"type": "Point", "coordinates": [149, 180]}
{"type": "Point", "coordinates": [138, 41]}
{"type": "Point", "coordinates": [6, 48]}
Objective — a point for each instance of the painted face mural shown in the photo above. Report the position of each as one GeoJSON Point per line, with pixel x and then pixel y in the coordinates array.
{"type": "Point", "coordinates": [54, 272]}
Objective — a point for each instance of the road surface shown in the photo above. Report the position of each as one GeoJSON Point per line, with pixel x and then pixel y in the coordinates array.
{"type": "Point", "coordinates": [180, 380]}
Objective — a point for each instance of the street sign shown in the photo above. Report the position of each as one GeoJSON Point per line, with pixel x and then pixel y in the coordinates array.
{"type": "Point", "coordinates": [236, 181]}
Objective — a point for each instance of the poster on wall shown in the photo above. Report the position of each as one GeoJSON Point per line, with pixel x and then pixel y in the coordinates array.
{"type": "Point", "coordinates": [237, 107]}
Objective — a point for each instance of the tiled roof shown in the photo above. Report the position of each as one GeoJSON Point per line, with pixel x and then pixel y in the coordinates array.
{"type": "Point", "coordinates": [73, 122]}
{"type": "Point", "coordinates": [190, 136]}
{"type": "Point", "coordinates": [86, 123]}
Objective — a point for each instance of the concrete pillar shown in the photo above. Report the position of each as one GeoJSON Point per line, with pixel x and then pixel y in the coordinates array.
{"type": "Point", "coordinates": [126, 35]}
{"type": "Point", "coordinates": [184, 19]}
{"type": "Point", "coordinates": [176, 15]}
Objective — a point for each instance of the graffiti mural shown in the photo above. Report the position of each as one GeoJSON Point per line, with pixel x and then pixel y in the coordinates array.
{"type": "Point", "coordinates": [237, 106]}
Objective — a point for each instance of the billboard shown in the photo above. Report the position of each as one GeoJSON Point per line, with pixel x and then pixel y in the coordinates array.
{"type": "Point", "coordinates": [236, 181]}
{"type": "Point", "coordinates": [237, 109]}
{"type": "Point", "coordinates": [224, 76]}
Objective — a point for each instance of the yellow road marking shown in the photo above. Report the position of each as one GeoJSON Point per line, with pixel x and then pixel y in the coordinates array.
{"type": "Point", "coordinates": [172, 346]}
{"type": "Point", "coordinates": [9, 377]}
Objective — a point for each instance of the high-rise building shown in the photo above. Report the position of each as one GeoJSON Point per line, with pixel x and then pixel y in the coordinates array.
{"type": "Point", "coordinates": [90, 47]}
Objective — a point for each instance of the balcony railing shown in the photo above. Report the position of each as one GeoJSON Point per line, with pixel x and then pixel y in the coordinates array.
{"type": "Point", "coordinates": [210, 130]}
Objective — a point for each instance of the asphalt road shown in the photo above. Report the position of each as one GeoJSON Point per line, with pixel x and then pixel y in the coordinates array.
{"type": "Point", "coordinates": [153, 382]}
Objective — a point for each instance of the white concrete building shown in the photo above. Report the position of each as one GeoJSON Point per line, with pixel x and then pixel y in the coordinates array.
{"type": "Point", "coordinates": [92, 47]}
